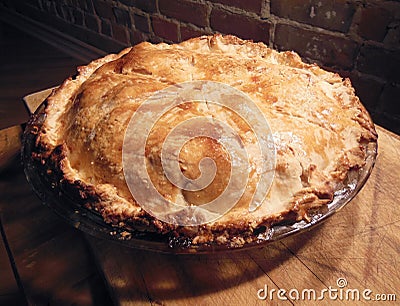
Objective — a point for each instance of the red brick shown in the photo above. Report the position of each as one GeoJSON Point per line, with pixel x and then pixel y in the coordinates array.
{"type": "Point", "coordinates": [379, 62]}
{"type": "Point", "coordinates": [53, 10]}
{"type": "Point", "coordinates": [148, 6]}
{"type": "Point", "coordinates": [326, 49]}
{"type": "Point", "coordinates": [165, 29]}
{"type": "Point", "coordinates": [190, 32]}
{"type": "Point", "coordinates": [78, 16]}
{"type": "Point", "coordinates": [86, 5]}
{"type": "Point", "coordinates": [128, 2]}
{"type": "Point", "coordinates": [137, 37]}
{"type": "Point", "coordinates": [374, 23]}
{"type": "Point", "coordinates": [183, 10]}
{"type": "Point", "coordinates": [247, 5]}
{"type": "Point", "coordinates": [142, 23]}
{"type": "Point", "coordinates": [106, 27]}
{"type": "Point", "coordinates": [46, 5]}
{"type": "Point", "coordinates": [392, 38]}
{"type": "Point", "coordinates": [368, 90]}
{"type": "Point", "coordinates": [92, 22]}
{"type": "Point", "coordinates": [327, 14]}
{"type": "Point", "coordinates": [59, 9]}
{"type": "Point", "coordinates": [242, 26]}
{"type": "Point", "coordinates": [155, 40]}
{"type": "Point", "coordinates": [119, 33]}
{"type": "Point", "coordinates": [122, 16]}
{"type": "Point", "coordinates": [66, 12]}
{"type": "Point", "coordinates": [103, 9]}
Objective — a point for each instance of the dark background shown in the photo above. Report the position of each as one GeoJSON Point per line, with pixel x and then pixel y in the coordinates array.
{"type": "Point", "coordinates": [357, 39]}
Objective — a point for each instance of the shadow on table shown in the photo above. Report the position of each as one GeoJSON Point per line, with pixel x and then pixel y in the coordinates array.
{"type": "Point", "coordinates": [136, 275]}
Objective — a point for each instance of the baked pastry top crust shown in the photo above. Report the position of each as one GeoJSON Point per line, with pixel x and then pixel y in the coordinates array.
{"type": "Point", "coordinates": [319, 127]}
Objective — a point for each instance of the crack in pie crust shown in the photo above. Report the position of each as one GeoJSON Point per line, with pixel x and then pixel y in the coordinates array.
{"type": "Point", "coordinates": [319, 126]}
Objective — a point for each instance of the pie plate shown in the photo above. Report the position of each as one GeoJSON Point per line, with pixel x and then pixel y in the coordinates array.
{"type": "Point", "coordinates": [89, 221]}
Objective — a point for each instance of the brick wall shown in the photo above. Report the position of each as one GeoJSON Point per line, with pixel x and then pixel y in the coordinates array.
{"type": "Point", "coordinates": [359, 39]}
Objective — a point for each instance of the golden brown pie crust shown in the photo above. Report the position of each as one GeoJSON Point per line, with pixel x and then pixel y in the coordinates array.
{"type": "Point", "coordinates": [319, 126]}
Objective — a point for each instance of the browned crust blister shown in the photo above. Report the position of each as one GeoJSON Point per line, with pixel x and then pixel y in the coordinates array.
{"type": "Point", "coordinates": [319, 126]}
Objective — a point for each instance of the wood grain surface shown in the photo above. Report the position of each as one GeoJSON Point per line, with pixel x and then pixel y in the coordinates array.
{"type": "Point", "coordinates": [52, 260]}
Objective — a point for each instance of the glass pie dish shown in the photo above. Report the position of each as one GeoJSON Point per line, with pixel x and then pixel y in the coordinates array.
{"type": "Point", "coordinates": [92, 223]}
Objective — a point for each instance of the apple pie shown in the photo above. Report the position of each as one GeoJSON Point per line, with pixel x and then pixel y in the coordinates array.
{"type": "Point", "coordinates": [319, 128]}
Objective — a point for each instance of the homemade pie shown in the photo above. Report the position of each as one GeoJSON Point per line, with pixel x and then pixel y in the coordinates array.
{"type": "Point", "coordinates": [319, 127]}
